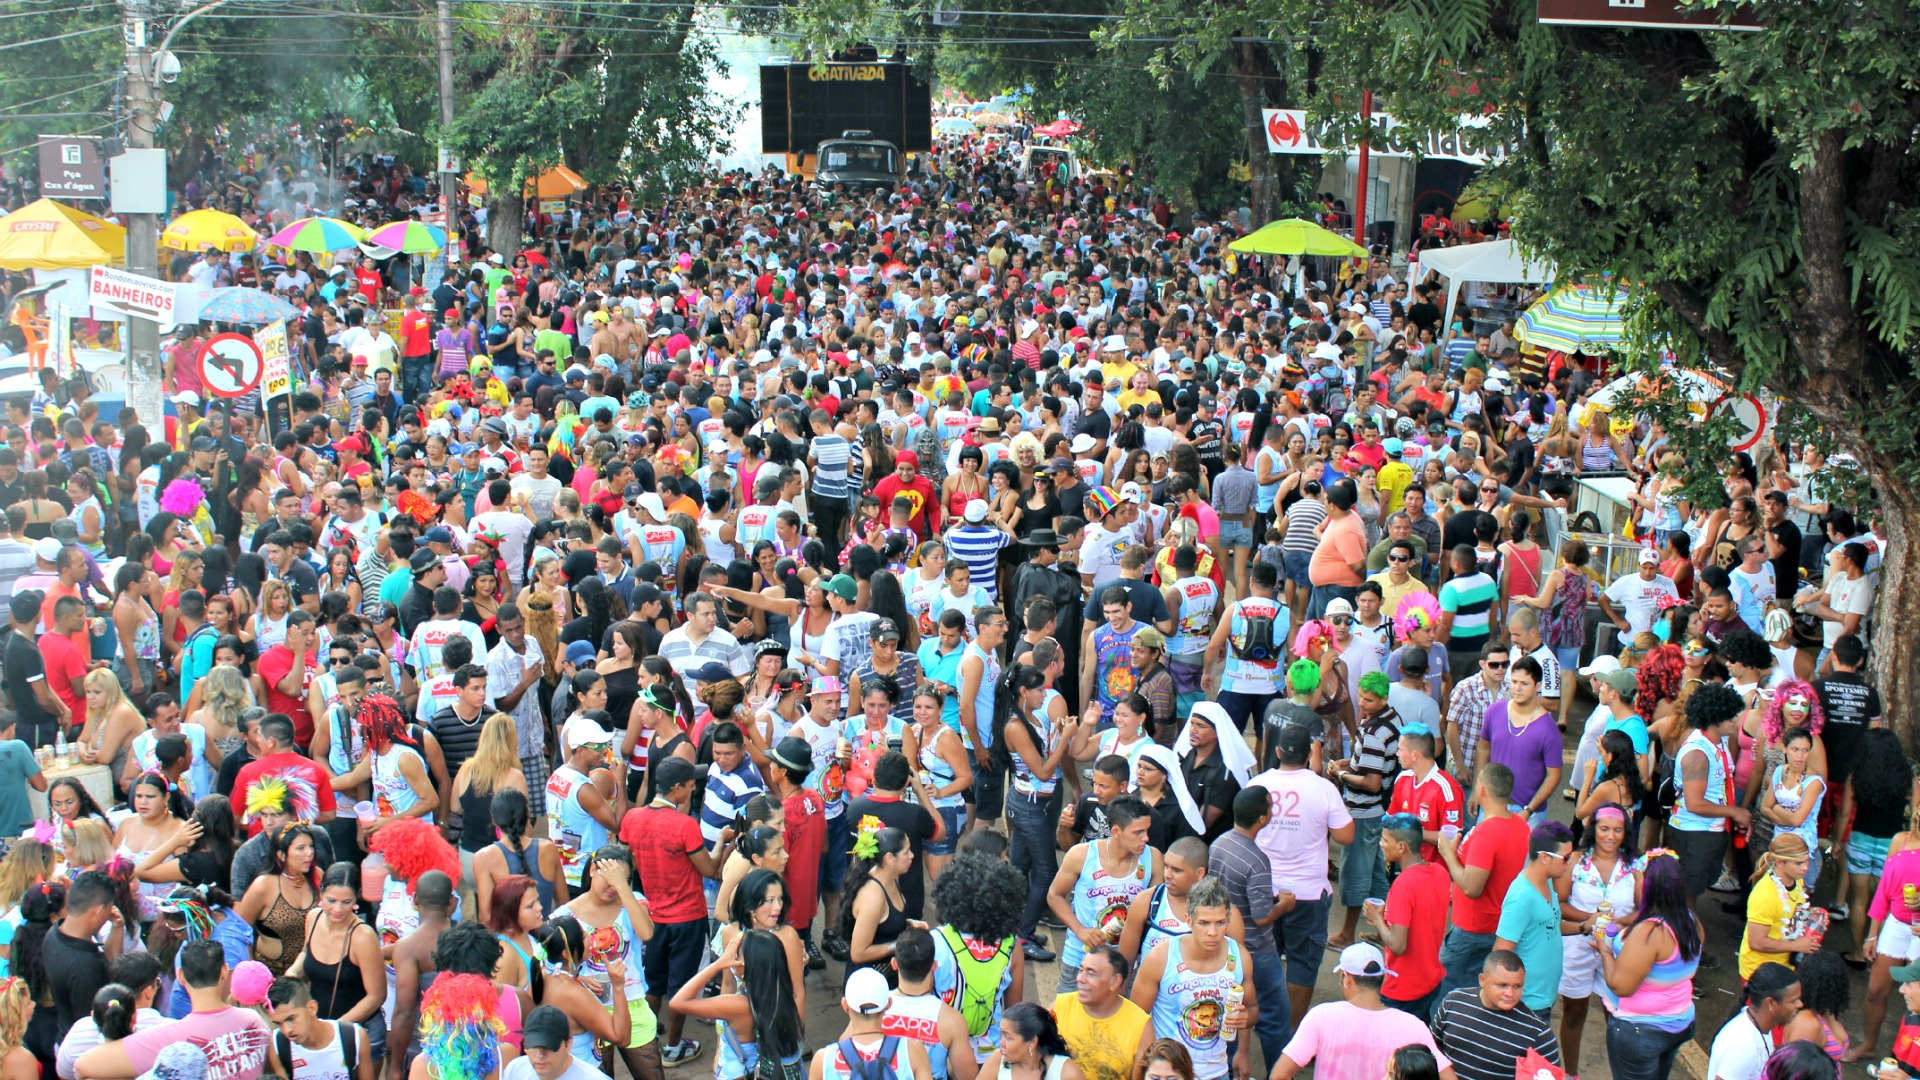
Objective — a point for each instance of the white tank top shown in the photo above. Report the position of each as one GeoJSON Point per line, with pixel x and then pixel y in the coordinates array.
{"type": "Point", "coordinates": [717, 550]}
{"type": "Point", "coordinates": [327, 1063]}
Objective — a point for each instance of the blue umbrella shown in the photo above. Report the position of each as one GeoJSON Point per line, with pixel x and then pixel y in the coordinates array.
{"type": "Point", "coordinates": [251, 307]}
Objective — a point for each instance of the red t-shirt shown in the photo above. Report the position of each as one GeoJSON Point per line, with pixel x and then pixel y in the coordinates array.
{"type": "Point", "coordinates": [275, 663]}
{"type": "Point", "coordinates": [54, 592]}
{"type": "Point", "coordinates": [309, 780]}
{"type": "Point", "coordinates": [1417, 901]}
{"type": "Point", "coordinates": [662, 840]}
{"type": "Point", "coordinates": [1436, 802]}
{"type": "Point", "coordinates": [368, 282]}
{"type": "Point", "coordinates": [416, 334]}
{"type": "Point", "coordinates": [1500, 846]}
{"type": "Point", "coordinates": [65, 662]}
{"type": "Point", "coordinates": [806, 818]}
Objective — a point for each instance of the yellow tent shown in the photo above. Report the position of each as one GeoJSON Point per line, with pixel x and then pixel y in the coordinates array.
{"type": "Point", "coordinates": [556, 183]}
{"type": "Point", "coordinates": [1296, 236]}
{"type": "Point", "coordinates": [46, 235]}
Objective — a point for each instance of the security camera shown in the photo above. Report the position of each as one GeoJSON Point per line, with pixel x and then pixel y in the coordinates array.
{"type": "Point", "coordinates": [166, 67]}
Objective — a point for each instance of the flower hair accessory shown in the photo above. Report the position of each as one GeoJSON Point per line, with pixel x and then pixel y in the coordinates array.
{"type": "Point", "coordinates": [1416, 611]}
{"type": "Point", "coordinates": [867, 844]}
{"type": "Point", "coordinates": [44, 832]}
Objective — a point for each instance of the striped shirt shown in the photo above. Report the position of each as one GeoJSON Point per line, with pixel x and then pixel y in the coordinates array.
{"type": "Point", "coordinates": [1467, 710]}
{"type": "Point", "coordinates": [1485, 1043]}
{"type": "Point", "coordinates": [1376, 755]}
{"type": "Point", "coordinates": [1470, 600]}
{"type": "Point", "coordinates": [686, 657]}
{"type": "Point", "coordinates": [831, 454]}
{"type": "Point", "coordinates": [1248, 876]}
{"type": "Point", "coordinates": [726, 798]}
{"type": "Point", "coordinates": [979, 547]}
{"type": "Point", "coordinates": [1303, 517]}
{"type": "Point", "coordinates": [16, 561]}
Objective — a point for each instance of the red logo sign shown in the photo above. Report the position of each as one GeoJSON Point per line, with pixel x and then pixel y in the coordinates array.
{"type": "Point", "coordinates": [1282, 129]}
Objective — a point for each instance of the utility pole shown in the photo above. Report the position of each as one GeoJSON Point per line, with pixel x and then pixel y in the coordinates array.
{"type": "Point", "coordinates": [1360, 187]}
{"type": "Point", "coordinates": [449, 178]}
{"type": "Point", "coordinates": [143, 390]}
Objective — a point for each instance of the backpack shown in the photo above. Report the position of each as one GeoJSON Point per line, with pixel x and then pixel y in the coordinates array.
{"type": "Point", "coordinates": [1257, 644]}
{"type": "Point", "coordinates": [348, 1033]}
{"type": "Point", "coordinates": [973, 973]}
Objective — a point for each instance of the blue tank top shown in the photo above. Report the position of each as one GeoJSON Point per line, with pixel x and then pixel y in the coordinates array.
{"type": "Point", "coordinates": [896, 1067]}
{"type": "Point", "coordinates": [1024, 781]}
{"type": "Point", "coordinates": [1193, 1006]}
{"type": "Point", "coordinates": [570, 828]}
{"type": "Point", "coordinates": [983, 697]}
{"type": "Point", "coordinates": [1717, 770]}
{"type": "Point", "coordinates": [1100, 901]}
{"type": "Point", "coordinates": [1263, 498]}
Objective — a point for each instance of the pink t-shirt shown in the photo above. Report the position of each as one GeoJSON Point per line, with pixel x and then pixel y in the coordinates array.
{"type": "Point", "coordinates": [1342, 1041]}
{"type": "Point", "coordinates": [1305, 806]}
{"type": "Point", "coordinates": [1889, 900]}
{"type": "Point", "coordinates": [236, 1042]}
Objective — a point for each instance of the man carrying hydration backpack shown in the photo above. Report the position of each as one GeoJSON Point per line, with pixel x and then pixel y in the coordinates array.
{"type": "Point", "coordinates": [978, 964]}
{"type": "Point", "coordinates": [1253, 638]}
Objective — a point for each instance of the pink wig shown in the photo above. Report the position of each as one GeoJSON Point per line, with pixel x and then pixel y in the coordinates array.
{"type": "Point", "coordinates": [1416, 610]}
{"type": "Point", "coordinates": [1776, 723]}
{"type": "Point", "coordinates": [1311, 630]}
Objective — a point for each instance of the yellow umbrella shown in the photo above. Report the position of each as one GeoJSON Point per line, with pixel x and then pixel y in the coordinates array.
{"type": "Point", "coordinates": [1295, 236]}
{"type": "Point", "coordinates": [47, 235]}
{"type": "Point", "coordinates": [556, 183]}
{"type": "Point", "coordinates": [197, 230]}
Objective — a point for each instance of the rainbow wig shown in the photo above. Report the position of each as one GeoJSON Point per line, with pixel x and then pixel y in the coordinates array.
{"type": "Point", "coordinates": [1417, 610]}
{"type": "Point", "coordinates": [1659, 677]}
{"type": "Point", "coordinates": [460, 1026]}
{"type": "Point", "coordinates": [413, 846]}
{"type": "Point", "coordinates": [1776, 723]}
{"type": "Point", "coordinates": [1311, 632]}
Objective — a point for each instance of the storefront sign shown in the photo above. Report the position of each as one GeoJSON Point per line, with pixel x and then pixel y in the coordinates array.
{"type": "Point", "coordinates": [1289, 131]}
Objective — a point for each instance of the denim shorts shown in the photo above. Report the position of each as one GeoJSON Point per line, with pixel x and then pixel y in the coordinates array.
{"type": "Point", "coordinates": [1867, 855]}
{"type": "Point", "coordinates": [954, 817]}
{"type": "Point", "coordinates": [1296, 564]}
{"type": "Point", "coordinates": [1236, 534]}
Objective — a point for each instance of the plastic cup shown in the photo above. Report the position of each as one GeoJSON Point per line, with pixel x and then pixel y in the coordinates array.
{"type": "Point", "coordinates": [366, 811]}
{"type": "Point", "coordinates": [1374, 905]}
{"type": "Point", "coordinates": [1450, 832]}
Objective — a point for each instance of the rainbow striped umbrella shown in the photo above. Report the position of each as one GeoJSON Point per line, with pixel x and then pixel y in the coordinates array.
{"type": "Point", "coordinates": [409, 237]}
{"type": "Point", "coordinates": [318, 234]}
{"type": "Point", "coordinates": [1575, 318]}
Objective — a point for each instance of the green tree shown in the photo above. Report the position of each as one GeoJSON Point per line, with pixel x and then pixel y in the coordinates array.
{"type": "Point", "coordinates": [1758, 189]}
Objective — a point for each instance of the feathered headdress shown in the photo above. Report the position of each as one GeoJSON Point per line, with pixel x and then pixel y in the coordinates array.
{"type": "Point", "coordinates": [413, 846]}
{"type": "Point", "coordinates": [1416, 610]}
{"type": "Point", "coordinates": [460, 1027]}
{"type": "Point", "coordinates": [183, 497]}
{"type": "Point", "coordinates": [283, 792]}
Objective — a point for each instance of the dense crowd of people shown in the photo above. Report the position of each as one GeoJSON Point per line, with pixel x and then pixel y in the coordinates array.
{"type": "Point", "coordinates": [886, 595]}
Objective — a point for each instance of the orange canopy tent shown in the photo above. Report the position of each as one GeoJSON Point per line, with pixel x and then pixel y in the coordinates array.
{"type": "Point", "coordinates": [48, 235]}
{"type": "Point", "coordinates": [556, 183]}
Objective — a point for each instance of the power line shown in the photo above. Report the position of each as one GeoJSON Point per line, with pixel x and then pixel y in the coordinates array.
{"type": "Point", "coordinates": [57, 37]}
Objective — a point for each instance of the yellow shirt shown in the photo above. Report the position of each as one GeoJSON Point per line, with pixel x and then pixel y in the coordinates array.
{"type": "Point", "coordinates": [1104, 1049]}
{"type": "Point", "coordinates": [1130, 397]}
{"type": "Point", "coordinates": [1121, 369]}
{"type": "Point", "coordinates": [1779, 914]}
{"type": "Point", "coordinates": [1393, 480]}
{"type": "Point", "coordinates": [1392, 594]}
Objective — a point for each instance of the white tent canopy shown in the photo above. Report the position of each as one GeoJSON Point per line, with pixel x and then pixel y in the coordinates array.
{"type": "Point", "coordinates": [1497, 261]}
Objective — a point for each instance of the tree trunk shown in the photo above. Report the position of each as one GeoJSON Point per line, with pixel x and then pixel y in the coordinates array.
{"type": "Point", "coordinates": [506, 221]}
{"type": "Point", "coordinates": [1260, 83]}
{"type": "Point", "coordinates": [1894, 662]}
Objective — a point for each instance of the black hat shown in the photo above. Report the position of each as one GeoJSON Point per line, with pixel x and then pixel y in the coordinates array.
{"type": "Point", "coordinates": [1042, 538]}
{"type": "Point", "coordinates": [674, 771]}
{"type": "Point", "coordinates": [794, 753]}
{"type": "Point", "coordinates": [545, 1028]}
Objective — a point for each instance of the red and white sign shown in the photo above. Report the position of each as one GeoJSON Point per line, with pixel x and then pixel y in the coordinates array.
{"type": "Point", "coordinates": [1289, 131]}
{"type": "Point", "coordinates": [1753, 416]}
{"type": "Point", "coordinates": [132, 294]}
{"type": "Point", "coordinates": [1646, 14]}
{"type": "Point", "coordinates": [230, 365]}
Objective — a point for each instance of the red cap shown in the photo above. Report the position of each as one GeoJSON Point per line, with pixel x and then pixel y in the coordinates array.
{"type": "Point", "coordinates": [416, 291]}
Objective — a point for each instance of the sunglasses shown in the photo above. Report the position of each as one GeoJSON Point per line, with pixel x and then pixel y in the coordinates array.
{"type": "Point", "coordinates": [1342, 620]}
{"type": "Point", "coordinates": [1496, 664]}
{"type": "Point", "coordinates": [1399, 558]}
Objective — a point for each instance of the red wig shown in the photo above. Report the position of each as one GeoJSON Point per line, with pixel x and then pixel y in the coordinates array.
{"type": "Point", "coordinates": [1659, 678]}
{"type": "Point", "coordinates": [412, 847]}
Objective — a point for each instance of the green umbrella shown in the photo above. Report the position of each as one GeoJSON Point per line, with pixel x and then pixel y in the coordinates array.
{"type": "Point", "coordinates": [1295, 236]}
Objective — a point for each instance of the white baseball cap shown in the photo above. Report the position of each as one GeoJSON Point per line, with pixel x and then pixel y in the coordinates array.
{"type": "Point", "coordinates": [1131, 492]}
{"type": "Point", "coordinates": [1359, 959]}
{"type": "Point", "coordinates": [1601, 665]}
{"type": "Point", "coordinates": [867, 992]}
